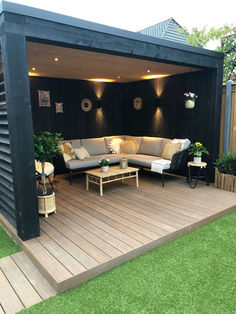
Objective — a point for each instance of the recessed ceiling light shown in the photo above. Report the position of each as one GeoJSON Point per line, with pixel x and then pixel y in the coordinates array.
{"type": "Point", "coordinates": [56, 59]}
{"type": "Point", "coordinates": [101, 80]}
{"type": "Point", "coordinates": [33, 69]}
{"type": "Point", "coordinates": [148, 71]}
{"type": "Point", "coordinates": [149, 77]}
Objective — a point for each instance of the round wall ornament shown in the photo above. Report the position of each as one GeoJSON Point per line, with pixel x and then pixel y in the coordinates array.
{"type": "Point", "coordinates": [138, 103]}
{"type": "Point", "coordinates": [86, 104]}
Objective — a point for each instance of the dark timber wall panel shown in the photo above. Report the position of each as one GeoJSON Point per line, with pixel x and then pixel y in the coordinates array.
{"type": "Point", "coordinates": [74, 122]}
{"type": "Point", "coordinates": [7, 200]}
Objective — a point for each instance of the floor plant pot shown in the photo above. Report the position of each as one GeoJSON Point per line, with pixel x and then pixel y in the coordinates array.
{"type": "Point", "coordinates": [225, 181]}
{"type": "Point", "coordinates": [105, 168]}
{"type": "Point", "coordinates": [189, 104]}
{"type": "Point", "coordinates": [46, 204]}
{"type": "Point", "coordinates": [197, 160]}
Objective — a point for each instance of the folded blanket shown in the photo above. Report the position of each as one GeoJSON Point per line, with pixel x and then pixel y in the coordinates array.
{"type": "Point", "coordinates": [160, 164]}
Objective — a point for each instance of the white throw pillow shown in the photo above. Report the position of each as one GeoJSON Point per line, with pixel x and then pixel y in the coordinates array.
{"type": "Point", "coordinates": [81, 153]}
{"type": "Point", "coordinates": [114, 146]}
{"type": "Point", "coordinates": [184, 142]}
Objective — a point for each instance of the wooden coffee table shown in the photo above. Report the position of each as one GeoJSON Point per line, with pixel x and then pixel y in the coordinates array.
{"type": "Point", "coordinates": [96, 176]}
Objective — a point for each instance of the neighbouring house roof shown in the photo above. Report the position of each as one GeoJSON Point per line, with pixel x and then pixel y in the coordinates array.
{"type": "Point", "coordinates": [168, 29]}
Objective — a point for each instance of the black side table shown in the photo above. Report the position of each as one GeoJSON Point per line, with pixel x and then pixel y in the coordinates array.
{"type": "Point", "coordinates": [201, 174]}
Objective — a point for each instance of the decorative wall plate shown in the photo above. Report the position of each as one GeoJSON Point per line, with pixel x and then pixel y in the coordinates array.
{"type": "Point", "coordinates": [86, 104]}
{"type": "Point", "coordinates": [138, 103]}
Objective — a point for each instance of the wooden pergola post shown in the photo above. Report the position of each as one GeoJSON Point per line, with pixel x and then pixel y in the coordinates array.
{"type": "Point", "coordinates": [18, 105]}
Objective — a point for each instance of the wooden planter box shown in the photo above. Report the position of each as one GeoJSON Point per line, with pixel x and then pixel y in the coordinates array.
{"type": "Point", "coordinates": [225, 182]}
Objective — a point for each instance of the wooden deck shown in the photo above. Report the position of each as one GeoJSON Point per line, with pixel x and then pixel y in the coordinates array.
{"type": "Point", "coordinates": [90, 234]}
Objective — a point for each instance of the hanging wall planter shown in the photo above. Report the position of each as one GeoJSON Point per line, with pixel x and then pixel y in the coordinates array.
{"type": "Point", "coordinates": [189, 104]}
{"type": "Point", "coordinates": [190, 100]}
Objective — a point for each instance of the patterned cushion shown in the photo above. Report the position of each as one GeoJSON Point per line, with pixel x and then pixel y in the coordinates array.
{"type": "Point", "coordinates": [67, 151]}
{"type": "Point", "coordinates": [170, 149]}
{"type": "Point", "coordinates": [115, 145]}
{"type": "Point", "coordinates": [108, 140]}
{"type": "Point", "coordinates": [128, 147]}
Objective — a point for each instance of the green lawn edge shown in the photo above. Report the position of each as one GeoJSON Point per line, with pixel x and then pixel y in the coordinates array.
{"type": "Point", "coordinates": [7, 245]}
{"type": "Point", "coordinates": [195, 273]}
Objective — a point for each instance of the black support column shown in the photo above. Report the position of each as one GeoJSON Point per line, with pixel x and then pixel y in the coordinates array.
{"type": "Point", "coordinates": [15, 71]}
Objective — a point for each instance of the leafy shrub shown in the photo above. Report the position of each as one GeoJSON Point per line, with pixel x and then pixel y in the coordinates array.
{"type": "Point", "coordinates": [227, 163]}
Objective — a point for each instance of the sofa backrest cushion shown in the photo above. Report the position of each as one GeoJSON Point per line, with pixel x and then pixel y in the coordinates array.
{"type": "Point", "coordinates": [137, 139]}
{"type": "Point", "coordinates": [151, 146]}
{"type": "Point", "coordinates": [108, 140]}
{"type": "Point", "coordinates": [170, 149]}
{"type": "Point", "coordinates": [128, 147]}
{"type": "Point", "coordinates": [76, 143]}
{"type": "Point", "coordinates": [95, 146]}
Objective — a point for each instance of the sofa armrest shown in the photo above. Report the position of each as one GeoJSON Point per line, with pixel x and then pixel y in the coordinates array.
{"type": "Point", "coordinates": [179, 160]}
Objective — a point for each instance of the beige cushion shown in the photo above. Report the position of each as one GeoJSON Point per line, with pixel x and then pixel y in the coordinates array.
{"type": "Point", "coordinates": [151, 146]}
{"type": "Point", "coordinates": [170, 149]}
{"type": "Point", "coordinates": [114, 145]}
{"type": "Point", "coordinates": [137, 139]}
{"type": "Point", "coordinates": [128, 147]}
{"type": "Point", "coordinates": [67, 151]}
{"type": "Point", "coordinates": [81, 153]}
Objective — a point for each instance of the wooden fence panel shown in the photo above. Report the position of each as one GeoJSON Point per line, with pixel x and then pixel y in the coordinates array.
{"type": "Point", "coordinates": [233, 120]}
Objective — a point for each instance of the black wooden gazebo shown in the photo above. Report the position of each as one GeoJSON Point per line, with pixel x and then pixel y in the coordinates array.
{"type": "Point", "coordinates": [25, 30]}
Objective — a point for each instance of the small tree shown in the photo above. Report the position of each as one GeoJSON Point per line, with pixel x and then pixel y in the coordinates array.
{"type": "Point", "coordinates": [46, 146]}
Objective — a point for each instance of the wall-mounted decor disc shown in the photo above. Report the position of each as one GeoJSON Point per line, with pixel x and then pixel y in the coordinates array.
{"type": "Point", "coordinates": [86, 104]}
{"type": "Point", "coordinates": [138, 103]}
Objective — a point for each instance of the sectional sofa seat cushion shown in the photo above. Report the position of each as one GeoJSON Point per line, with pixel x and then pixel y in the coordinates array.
{"type": "Point", "coordinates": [151, 146]}
{"type": "Point", "coordinates": [95, 146]}
{"type": "Point", "coordinates": [170, 149]}
{"type": "Point", "coordinates": [137, 139]}
{"type": "Point", "coordinates": [114, 145]}
{"type": "Point", "coordinates": [142, 160]}
{"type": "Point", "coordinates": [92, 161]}
{"type": "Point", "coordinates": [81, 153]}
{"type": "Point", "coordinates": [108, 140]}
{"type": "Point", "coordinates": [128, 147]}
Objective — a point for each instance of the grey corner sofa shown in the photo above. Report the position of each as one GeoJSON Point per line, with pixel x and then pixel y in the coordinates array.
{"type": "Point", "coordinates": [149, 150]}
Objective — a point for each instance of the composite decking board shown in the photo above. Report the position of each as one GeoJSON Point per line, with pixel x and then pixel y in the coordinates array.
{"type": "Point", "coordinates": [131, 214]}
{"type": "Point", "coordinates": [115, 212]}
{"type": "Point", "coordinates": [79, 241]}
{"type": "Point", "coordinates": [19, 282]}
{"type": "Point", "coordinates": [98, 242]}
{"type": "Point", "coordinates": [121, 246]}
{"type": "Point", "coordinates": [51, 265]}
{"type": "Point", "coordinates": [69, 262]}
{"type": "Point", "coordinates": [110, 216]}
{"type": "Point", "coordinates": [136, 232]}
{"type": "Point", "coordinates": [9, 300]}
{"type": "Point", "coordinates": [163, 210]}
{"type": "Point", "coordinates": [81, 256]}
{"type": "Point", "coordinates": [122, 232]}
{"type": "Point", "coordinates": [112, 227]}
{"type": "Point", "coordinates": [40, 284]}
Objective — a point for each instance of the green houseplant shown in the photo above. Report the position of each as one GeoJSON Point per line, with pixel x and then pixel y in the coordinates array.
{"type": "Point", "coordinates": [104, 164]}
{"type": "Point", "coordinates": [46, 146]}
{"type": "Point", "coordinates": [225, 174]}
{"type": "Point", "coordinates": [197, 149]}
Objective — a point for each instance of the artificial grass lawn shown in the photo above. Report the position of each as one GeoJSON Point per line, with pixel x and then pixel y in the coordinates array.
{"type": "Point", "coordinates": [192, 274]}
{"type": "Point", "coordinates": [7, 245]}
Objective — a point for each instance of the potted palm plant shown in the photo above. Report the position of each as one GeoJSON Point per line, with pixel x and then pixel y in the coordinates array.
{"type": "Point", "coordinates": [225, 172]}
{"type": "Point", "coordinates": [46, 147]}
